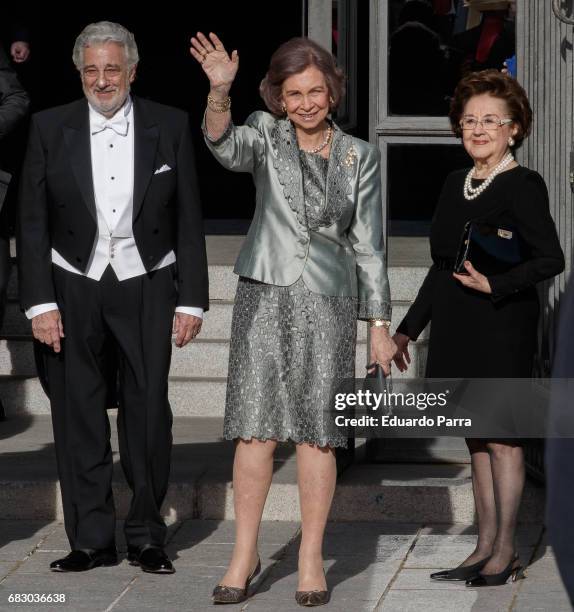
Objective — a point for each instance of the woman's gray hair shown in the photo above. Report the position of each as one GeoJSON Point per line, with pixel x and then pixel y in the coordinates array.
{"type": "Point", "coordinates": [100, 33]}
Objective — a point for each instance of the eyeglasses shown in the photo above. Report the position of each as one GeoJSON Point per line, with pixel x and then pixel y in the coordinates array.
{"type": "Point", "coordinates": [111, 73]}
{"type": "Point", "coordinates": [490, 123]}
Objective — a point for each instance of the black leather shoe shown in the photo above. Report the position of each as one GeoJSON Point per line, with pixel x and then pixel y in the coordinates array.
{"type": "Point", "coordinates": [463, 572]}
{"type": "Point", "coordinates": [513, 570]}
{"type": "Point", "coordinates": [83, 560]}
{"type": "Point", "coordinates": [151, 559]}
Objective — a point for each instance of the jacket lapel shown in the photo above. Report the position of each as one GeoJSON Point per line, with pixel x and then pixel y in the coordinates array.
{"type": "Point", "coordinates": [288, 166]}
{"type": "Point", "coordinates": [77, 138]}
{"type": "Point", "coordinates": [333, 161]}
{"type": "Point", "coordinates": [340, 174]}
{"type": "Point", "coordinates": [342, 161]}
{"type": "Point", "coordinates": [146, 137]}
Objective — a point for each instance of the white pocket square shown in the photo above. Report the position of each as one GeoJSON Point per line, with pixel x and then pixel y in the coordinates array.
{"type": "Point", "coordinates": [164, 168]}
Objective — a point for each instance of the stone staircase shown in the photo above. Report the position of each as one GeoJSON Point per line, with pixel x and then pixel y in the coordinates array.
{"type": "Point", "coordinates": [426, 481]}
{"type": "Point", "coordinates": [199, 370]}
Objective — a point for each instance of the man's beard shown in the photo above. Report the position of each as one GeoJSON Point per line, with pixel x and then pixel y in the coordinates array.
{"type": "Point", "coordinates": [109, 106]}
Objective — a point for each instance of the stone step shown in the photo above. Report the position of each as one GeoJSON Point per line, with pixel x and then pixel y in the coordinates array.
{"type": "Point", "coordinates": [217, 322]}
{"type": "Point", "coordinates": [408, 258]}
{"type": "Point", "coordinates": [216, 325]}
{"type": "Point", "coordinates": [199, 359]}
{"type": "Point", "coordinates": [418, 450]}
{"type": "Point", "coordinates": [189, 396]}
{"type": "Point", "coordinates": [200, 484]}
{"type": "Point", "coordinates": [404, 281]}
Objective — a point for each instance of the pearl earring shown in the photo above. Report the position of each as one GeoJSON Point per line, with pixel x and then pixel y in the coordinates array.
{"type": "Point", "coordinates": [283, 107]}
{"type": "Point", "coordinates": [511, 142]}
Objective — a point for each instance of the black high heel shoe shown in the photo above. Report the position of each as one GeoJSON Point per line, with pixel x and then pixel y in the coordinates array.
{"type": "Point", "coordinates": [223, 594]}
{"type": "Point", "coordinates": [516, 572]}
{"type": "Point", "coordinates": [464, 572]}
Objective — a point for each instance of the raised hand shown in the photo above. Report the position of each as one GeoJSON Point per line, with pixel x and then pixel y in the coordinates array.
{"type": "Point", "coordinates": [219, 67]}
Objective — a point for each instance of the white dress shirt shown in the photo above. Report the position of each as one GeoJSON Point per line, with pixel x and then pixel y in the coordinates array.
{"type": "Point", "coordinates": [112, 153]}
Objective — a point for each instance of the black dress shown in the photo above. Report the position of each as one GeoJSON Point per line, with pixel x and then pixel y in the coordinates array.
{"type": "Point", "coordinates": [475, 335]}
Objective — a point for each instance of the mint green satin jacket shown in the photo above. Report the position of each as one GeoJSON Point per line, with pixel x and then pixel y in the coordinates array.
{"type": "Point", "coordinates": [339, 253]}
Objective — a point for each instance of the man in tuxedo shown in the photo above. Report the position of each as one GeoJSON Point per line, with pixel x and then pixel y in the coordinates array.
{"type": "Point", "coordinates": [110, 246]}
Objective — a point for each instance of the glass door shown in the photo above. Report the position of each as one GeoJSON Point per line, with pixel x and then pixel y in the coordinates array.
{"type": "Point", "coordinates": [419, 51]}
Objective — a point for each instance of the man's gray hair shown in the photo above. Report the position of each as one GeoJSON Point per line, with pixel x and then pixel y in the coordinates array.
{"type": "Point", "coordinates": [103, 32]}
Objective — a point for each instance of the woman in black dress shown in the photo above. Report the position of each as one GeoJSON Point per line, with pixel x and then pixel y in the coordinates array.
{"type": "Point", "coordinates": [486, 326]}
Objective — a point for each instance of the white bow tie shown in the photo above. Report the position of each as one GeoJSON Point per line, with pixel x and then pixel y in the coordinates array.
{"type": "Point", "coordinates": [118, 123]}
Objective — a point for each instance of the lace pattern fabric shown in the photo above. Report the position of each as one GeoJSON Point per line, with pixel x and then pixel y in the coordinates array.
{"type": "Point", "coordinates": [374, 310]}
{"type": "Point", "coordinates": [291, 166]}
{"type": "Point", "coordinates": [314, 169]}
{"type": "Point", "coordinates": [290, 351]}
{"type": "Point", "coordinates": [287, 166]}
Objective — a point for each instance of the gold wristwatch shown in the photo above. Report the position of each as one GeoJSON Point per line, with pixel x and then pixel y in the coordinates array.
{"type": "Point", "coordinates": [379, 323]}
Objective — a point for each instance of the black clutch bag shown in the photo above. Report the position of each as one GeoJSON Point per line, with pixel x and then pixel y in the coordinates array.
{"type": "Point", "coordinates": [490, 249]}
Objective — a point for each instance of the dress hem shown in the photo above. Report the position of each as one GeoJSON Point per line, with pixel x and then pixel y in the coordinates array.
{"type": "Point", "coordinates": [320, 443]}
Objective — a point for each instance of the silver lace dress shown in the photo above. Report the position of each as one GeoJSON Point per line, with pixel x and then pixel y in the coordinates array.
{"type": "Point", "coordinates": [290, 349]}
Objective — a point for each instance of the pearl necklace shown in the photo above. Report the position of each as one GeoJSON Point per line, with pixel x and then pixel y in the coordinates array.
{"type": "Point", "coordinates": [470, 192]}
{"type": "Point", "coordinates": [323, 144]}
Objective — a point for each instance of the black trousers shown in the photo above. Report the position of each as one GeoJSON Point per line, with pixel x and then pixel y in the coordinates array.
{"type": "Point", "coordinates": [134, 319]}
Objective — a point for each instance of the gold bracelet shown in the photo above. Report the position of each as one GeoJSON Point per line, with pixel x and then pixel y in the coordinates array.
{"type": "Point", "coordinates": [218, 106]}
{"type": "Point", "coordinates": [379, 323]}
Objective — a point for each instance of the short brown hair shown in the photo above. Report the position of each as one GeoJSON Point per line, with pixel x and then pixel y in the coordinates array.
{"type": "Point", "coordinates": [498, 85]}
{"type": "Point", "coordinates": [293, 57]}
